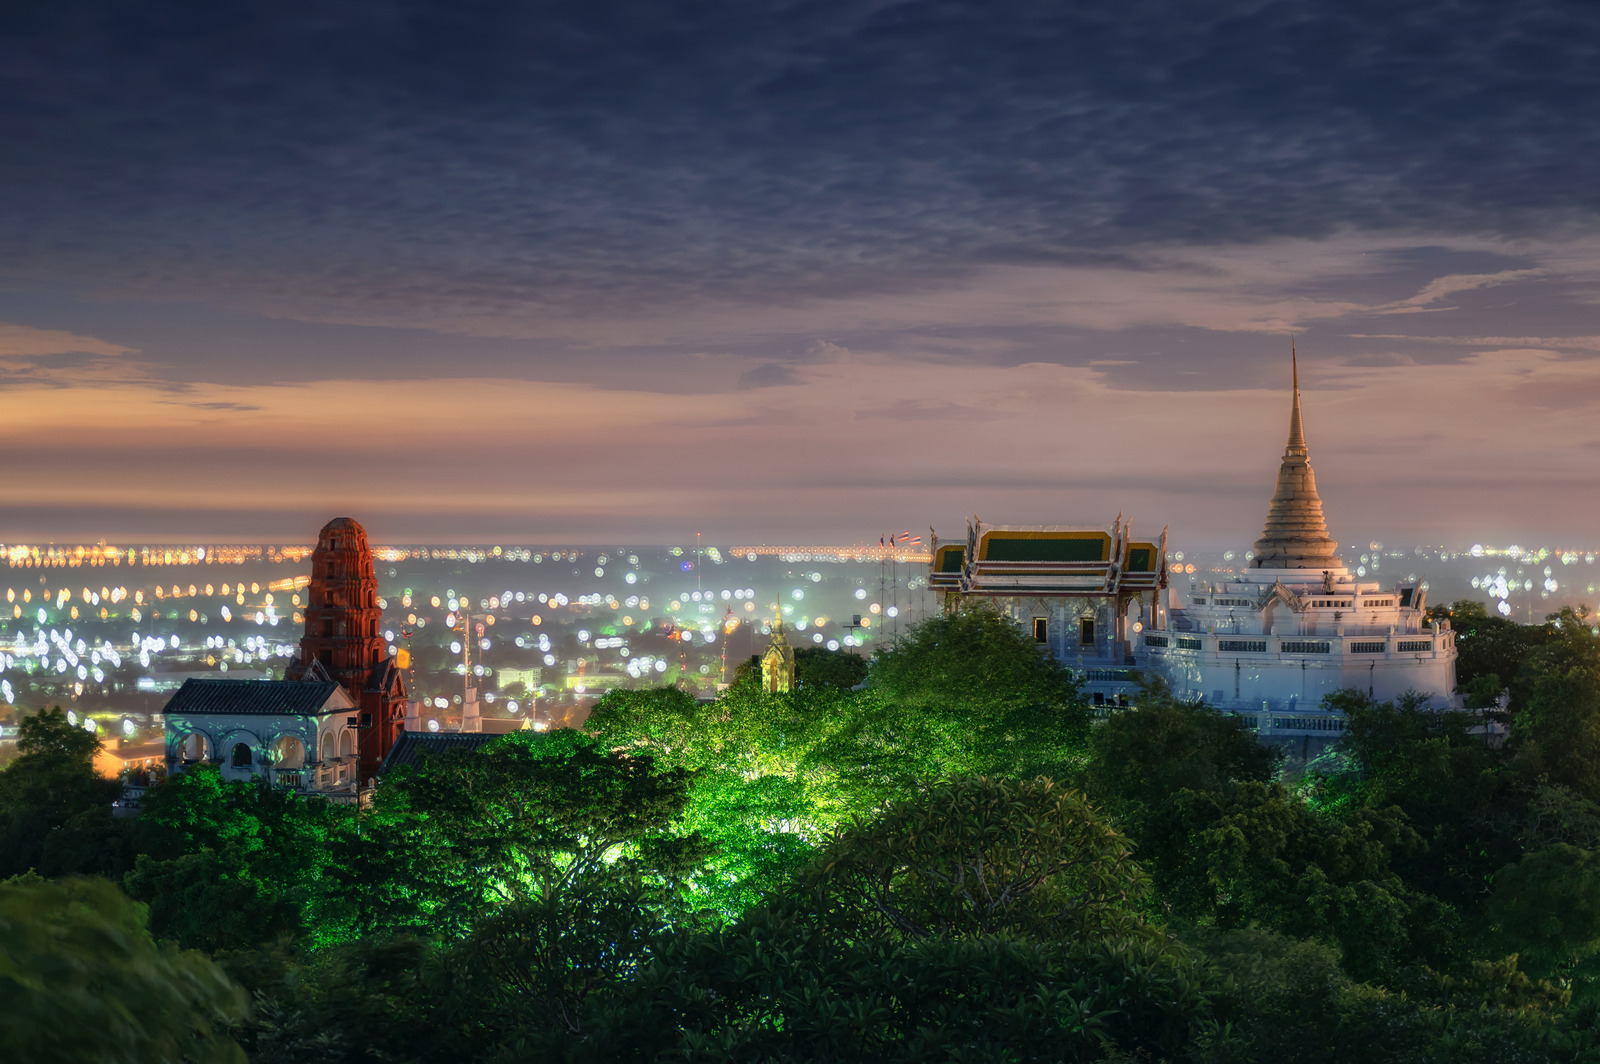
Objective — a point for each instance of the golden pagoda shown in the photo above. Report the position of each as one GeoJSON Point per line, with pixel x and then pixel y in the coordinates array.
{"type": "Point", "coordinates": [1296, 534]}
{"type": "Point", "coordinates": [777, 663]}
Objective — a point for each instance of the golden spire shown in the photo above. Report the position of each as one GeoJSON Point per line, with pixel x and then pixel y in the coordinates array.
{"type": "Point", "coordinates": [1296, 535]}
{"type": "Point", "coordinates": [1297, 435]}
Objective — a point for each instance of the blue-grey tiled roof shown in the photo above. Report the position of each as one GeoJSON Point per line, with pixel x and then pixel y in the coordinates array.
{"type": "Point", "coordinates": [251, 697]}
{"type": "Point", "coordinates": [412, 746]}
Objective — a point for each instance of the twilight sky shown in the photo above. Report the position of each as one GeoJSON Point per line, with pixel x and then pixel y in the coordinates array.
{"type": "Point", "coordinates": [796, 272]}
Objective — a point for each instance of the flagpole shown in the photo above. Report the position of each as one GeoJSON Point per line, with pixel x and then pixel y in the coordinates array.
{"type": "Point", "coordinates": [883, 572]}
{"type": "Point", "coordinates": [894, 590]}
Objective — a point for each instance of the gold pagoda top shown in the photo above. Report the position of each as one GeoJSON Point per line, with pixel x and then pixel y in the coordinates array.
{"type": "Point", "coordinates": [1296, 535]}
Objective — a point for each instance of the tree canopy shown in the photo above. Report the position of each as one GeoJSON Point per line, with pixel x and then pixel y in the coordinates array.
{"type": "Point", "coordinates": [956, 860]}
{"type": "Point", "coordinates": [83, 982]}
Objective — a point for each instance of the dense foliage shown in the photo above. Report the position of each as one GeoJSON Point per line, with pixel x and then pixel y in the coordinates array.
{"type": "Point", "coordinates": [955, 861]}
{"type": "Point", "coordinates": [81, 979]}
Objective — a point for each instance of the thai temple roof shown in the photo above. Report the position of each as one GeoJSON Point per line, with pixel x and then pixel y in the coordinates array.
{"type": "Point", "coordinates": [1047, 559]}
{"type": "Point", "coordinates": [1296, 535]}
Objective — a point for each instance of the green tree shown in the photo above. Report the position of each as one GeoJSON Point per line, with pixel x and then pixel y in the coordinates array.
{"type": "Point", "coordinates": [762, 791]}
{"type": "Point", "coordinates": [1253, 853]}
{"type": "Point", "coordinates": [1558, 733]}
{"type": "Point", "coordinates": [1458, 794]}
{"type": "Point", "coordinates": [976, 665]}
{"type": "Point", "coordinates": [553, 860]}
{"type": "Point", "coordinates": [1290, 1001]}
{"type": "Point", "coordinates": [1226, 846]}
{"type": "Point", "coordinates": [526, 817]}
{"type": "Point", "coordinates": [82, 981]}
{"type": "Point", "coordinates": [50, 784]}
{"type": "Point", "coordinates": [666, 721]}
{"type": "Point", "coordinates": [534, 963]}
{"type": "Point", "coordinates": [1491, 650]}
{"type": "Point", "coordinates": [959, 695]}
{"type": "Point", "coordinates": [1161, 746]}
{"type": "Point", "coordinates": [980, 856]}
{"type": "Point", "coordinates": [965, 693]}
{"type": "Point", "coordinates": [232, 864]}
{"type": "Point", "coordinates": [1546, 909]}
{"type": "Point", "coordinates": [215, 899]}
{"type": "Point", "coordinates": [819, 666]}
{"type": "Point", "coordinates": [776, 986]}
{"type": "Point", "coordinates": [375, 1000]}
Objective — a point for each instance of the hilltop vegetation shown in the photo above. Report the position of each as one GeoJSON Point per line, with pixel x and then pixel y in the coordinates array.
{"type": "Point", "coordinates": [956, 862]}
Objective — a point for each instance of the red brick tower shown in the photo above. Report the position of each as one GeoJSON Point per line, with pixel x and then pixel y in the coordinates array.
{"type": "Point", "coordinates": [342, 639]}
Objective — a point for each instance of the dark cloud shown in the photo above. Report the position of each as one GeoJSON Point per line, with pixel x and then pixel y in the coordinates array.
{"type": "Point", "coordinates": [471, 160]}
{"type": "Point", "coordinates": [922, 256]}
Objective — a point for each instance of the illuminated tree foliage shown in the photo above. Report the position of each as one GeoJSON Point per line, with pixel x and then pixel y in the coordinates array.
{"type": "Point", "coordinates": [777, 773]}
{"type": "Point", "coordinates": [761, 797]}
{"type": "Point", "coordinates": [532, 817]}
{"type": "Point", "coordinates": [231, 864]}
{"type": "Point", "coordinates": [977, 695]}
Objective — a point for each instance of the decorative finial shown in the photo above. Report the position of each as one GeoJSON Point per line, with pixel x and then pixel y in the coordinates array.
{"type": "Point", "coordinates": [1297, 435]}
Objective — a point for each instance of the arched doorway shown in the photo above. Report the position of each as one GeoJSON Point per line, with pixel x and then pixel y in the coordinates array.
{"type": "Point", "coordinates": [196, 747]}
{"type": "Point", "coordinates": [347, 768]}
{"type": "Point", "coordinates": [288, 752]}
{"type": "Point", "coordinates": [288, 762]}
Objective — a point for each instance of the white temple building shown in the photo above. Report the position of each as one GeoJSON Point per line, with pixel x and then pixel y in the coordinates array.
{"type": "Point", "coordinates": [1297, 625]}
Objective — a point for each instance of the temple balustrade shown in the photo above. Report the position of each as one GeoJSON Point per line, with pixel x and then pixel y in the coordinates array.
{"type": "Point", "coordinates": [1392, 646]}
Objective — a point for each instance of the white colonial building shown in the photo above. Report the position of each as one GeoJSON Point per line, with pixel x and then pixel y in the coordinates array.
{"type": "Point", "coordinates": [1297, 625]}
{"type": "Point", "coordinates": [295, 734]}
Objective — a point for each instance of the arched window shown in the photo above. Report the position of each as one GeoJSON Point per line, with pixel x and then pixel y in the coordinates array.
{"type": "Point", "coordinates": [241, 755]}
{"type": "Point", "coordinates": [346, 744]}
